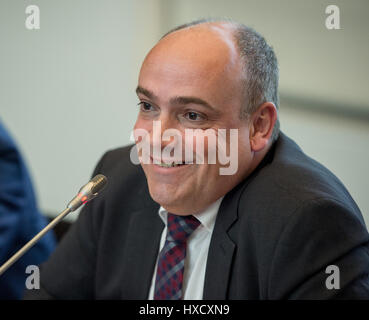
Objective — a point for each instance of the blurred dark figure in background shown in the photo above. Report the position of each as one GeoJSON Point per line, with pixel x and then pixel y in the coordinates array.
{"type": "Point", "coordinates": [20, 219]}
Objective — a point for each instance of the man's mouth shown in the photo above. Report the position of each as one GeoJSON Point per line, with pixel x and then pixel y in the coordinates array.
{"type": "Point", "coordinates": [171, 165]}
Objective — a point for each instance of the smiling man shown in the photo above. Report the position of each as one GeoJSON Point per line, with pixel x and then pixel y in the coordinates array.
{"type": "Point", "coordinates": [177, 229]}
{"type": "Point", "coordinates": [179, 86]}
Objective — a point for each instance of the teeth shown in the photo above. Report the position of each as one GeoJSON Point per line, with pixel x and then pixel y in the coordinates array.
{"type": "Point", "coordinates": [169, 165]}
{"type": "Point", "coordinates": [172, 164]}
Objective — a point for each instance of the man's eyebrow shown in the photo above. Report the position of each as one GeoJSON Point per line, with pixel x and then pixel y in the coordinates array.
{"type": "Point", "coordinates": [176, 100]}
{"type": "Point", "coordinates": [188, 100]}
{"type": "Point", "coordinates": [146, 92]}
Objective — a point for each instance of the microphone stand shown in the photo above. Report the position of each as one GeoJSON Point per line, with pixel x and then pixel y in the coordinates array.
{"type": "Point", "coordinates": [88, 192]}
{"type": "Point", "coordinates": [30, 243]}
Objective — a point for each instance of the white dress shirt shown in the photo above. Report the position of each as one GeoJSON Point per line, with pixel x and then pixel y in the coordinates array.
{"type": "Point", "coordinates": [196, 253]}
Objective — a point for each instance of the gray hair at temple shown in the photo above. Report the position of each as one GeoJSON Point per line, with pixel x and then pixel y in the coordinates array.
{"type": "Point", "coordinates": [260, 67]}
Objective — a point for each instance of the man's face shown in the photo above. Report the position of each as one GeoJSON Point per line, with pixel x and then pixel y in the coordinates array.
{"type": "Point", "coordinates": [191, 80]}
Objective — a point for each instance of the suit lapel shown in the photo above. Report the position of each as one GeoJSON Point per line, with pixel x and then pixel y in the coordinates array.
{"type": "Point", "coordinates": [141, 252]}
{"type": "Point", "coordinates": [221, 252]}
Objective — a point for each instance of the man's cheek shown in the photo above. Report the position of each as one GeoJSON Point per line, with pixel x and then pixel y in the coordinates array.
{"type": "Point", "coordinates": [228, 153]}
{"type": "Point", "coordinates": [140, 152]}
{"type": "Point", "coordinates": [201, 146]}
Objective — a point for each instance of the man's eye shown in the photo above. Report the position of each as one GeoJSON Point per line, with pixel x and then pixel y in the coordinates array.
{"type": "Point", "coordinates": [194, 116]}
{"type": "Point", "coordinates": [145, 106]}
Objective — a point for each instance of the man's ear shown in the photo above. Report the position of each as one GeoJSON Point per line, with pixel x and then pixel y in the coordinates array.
{"type": "Point", "coordinates": [261, 125]}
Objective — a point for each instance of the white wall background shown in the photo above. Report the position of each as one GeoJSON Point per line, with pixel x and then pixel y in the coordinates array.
{"type": "Point", "coordinates": [67, 90]}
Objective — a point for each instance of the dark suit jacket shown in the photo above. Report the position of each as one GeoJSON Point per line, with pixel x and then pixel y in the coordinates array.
{"type": "Point", "coordinates": [274, 236]}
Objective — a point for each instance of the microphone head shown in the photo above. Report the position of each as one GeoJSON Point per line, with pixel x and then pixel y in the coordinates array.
{"type": "Point", "coordinates": [89, 191]}
{"type": "Point", "coordinates": [99, 182]}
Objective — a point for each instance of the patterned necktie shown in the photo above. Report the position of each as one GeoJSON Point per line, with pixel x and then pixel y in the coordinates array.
{"type": "Point", "coordinates": [169, 276]}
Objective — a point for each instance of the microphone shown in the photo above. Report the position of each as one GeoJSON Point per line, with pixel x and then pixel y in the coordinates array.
{"type": "Point", "coordinates": [89, 191]}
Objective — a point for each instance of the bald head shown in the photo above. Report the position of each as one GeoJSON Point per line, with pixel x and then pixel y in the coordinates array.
{"type": "Point", "coordinates": [207, 40]}
{"type": "Point", "coordinates": [205, 55]}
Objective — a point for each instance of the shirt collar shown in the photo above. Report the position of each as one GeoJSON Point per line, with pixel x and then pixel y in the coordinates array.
{"type": "Point", "coordinates": [206, 217]}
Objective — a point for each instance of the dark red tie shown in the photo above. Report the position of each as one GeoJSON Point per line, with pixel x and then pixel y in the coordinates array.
{"type": "Point", "coordinates": [169, 276]}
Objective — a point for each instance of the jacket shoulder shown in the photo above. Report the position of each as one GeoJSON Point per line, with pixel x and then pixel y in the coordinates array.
{"type": "Point", "coordinates": [291, 179]}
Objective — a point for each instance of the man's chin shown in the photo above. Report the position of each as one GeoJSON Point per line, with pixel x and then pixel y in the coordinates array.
{"type": "Point", "coordinates": [163, 198]}
{"type": "Point", "coordinates": [170, 202]}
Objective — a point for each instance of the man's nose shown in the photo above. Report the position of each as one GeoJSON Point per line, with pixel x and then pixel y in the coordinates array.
{"type": "Point", "coordinates": [164, 132]}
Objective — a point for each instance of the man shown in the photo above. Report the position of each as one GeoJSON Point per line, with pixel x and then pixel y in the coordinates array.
{"type": "Point", "coordinates": [20, 219]}
{"type": "Point", "coordinates": [178, 229]}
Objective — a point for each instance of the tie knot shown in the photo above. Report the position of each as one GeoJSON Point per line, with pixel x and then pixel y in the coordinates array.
{"type": "Point", "coordinates": [181, 227]}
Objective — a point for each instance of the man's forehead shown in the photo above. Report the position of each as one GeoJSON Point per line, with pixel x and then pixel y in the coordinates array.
{"type": "Point", "coordinates": [199, 61]}
{"type": "Point", "coordinates": [206, 49]}
{"type": "Point", "coordinates": [203, 42]}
